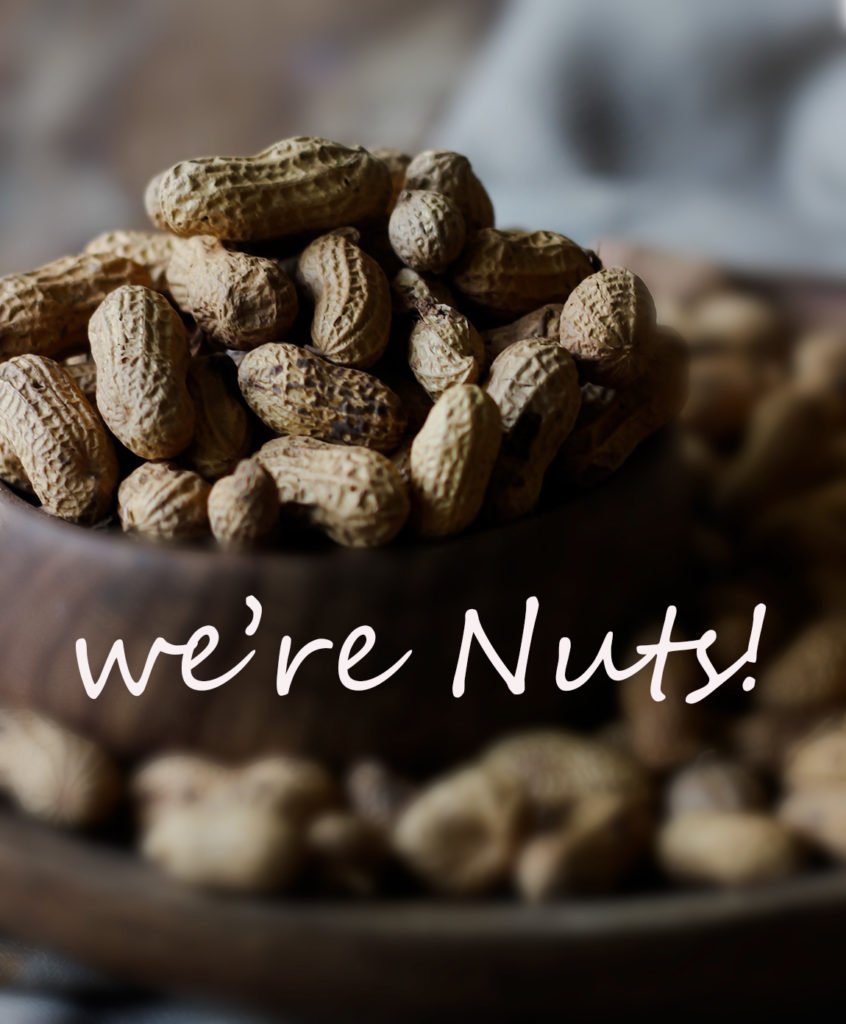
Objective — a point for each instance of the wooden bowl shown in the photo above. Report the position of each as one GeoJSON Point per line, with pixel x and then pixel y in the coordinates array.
{"type": "Point", "coordinates": [591, 561]}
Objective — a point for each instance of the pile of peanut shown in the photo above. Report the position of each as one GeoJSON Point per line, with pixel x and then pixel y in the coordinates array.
{"type": "Point", "coordinates": [330, 335]}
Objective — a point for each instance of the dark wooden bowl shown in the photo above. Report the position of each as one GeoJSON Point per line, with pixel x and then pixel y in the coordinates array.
{"type": "Point", "coordinates": [591, 561]}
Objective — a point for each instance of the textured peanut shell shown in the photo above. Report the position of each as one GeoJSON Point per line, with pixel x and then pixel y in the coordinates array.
{"type": "Point", "coordinates": [294, 391]}
{"type": "Point", "coordinates": [243, 507]}
{"type": "Point", "coordinates": [444, 349]}
{"type": "Point", "coordinates": [810, 671]}
{"type": "Point", "coordinates": [63, 448]}
{"type": "Point", "coordinates": [411, 291]}
{"type": "Point", "coordinates": [535, 384]}
{"type": "Point", "coordinates": [297, 185]}
{"type": "Point", "coordinates": [426, 230]}
{"type": "Point", "coordinates": [605, 322]}
{"type": "Point", "coordinates": [540, 323]}
{"type": "Point", "coordinates": [509, 273]}
{"type": "Point", "coordinates": [452, 458]}
{"type": "Point", "coordinates": [141, 350]}
{"type": "Point", "coordinates": [441, 170]}
{"type": "Point", "coordinates": [83, 371]}
{"type": "Point", "coordinates": [46, 311]}
{"type": "Point", "coordinates": [149, 249]}
{"type": "Point", "coordinates": [237, 300]}
{"type": "Point", "coordinates": [222, 430]}
{"type": "Point", "coordinates": [164, 502]}
{"type": "Point", "coordinates": [352, 301]}
{"type": "Point", "coordinates": [354, 495]}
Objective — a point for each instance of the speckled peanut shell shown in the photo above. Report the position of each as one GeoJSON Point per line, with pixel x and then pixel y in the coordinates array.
{"type": "Point", "coordinates": [164, 502]}
{"type": "Point", "coordinates": [236, 299]}
{"type": "Point", "coordinates": [426, 230]}
{"type": "Point", "coordinates": [509, 273]}
{"type": "Point", "coordinates": [294, 391]}
{"type": "Point", "coordinates": [61, 443]}
{"type": "Point", "coordinates": [452, 459]}
{"type": "Point", "coordinates": [352, 301]}
{"type": "Point", "coordinates": [295, 186]}
{"type": "Point", "coordinates": [535, 384]}
{"type": "Point", "coordinates": [244, 506]}
{"type": "Point", "coordinates": [222, 431]}
{"type": "Point", "coordinates": [141, 349]}
{"type": "Point", "coordinates": [544, 322]}
{"type": "Point", "coordinates": [411, 291]}
{"type": "Point", "coordinates": [444, 349]}
{"type": "Point", "coordinates": [605, 321]}
{"type": "Point", "coordinates": [149, 249]}
{"type": "Point", "coordinates": [46, 311]}
{"type": "Point", "coordinates": [355, 495]}
{"type": "Point", "coordinates": [440, 170]}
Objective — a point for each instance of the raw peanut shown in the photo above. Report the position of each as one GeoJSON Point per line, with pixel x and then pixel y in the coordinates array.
{"type": "Point", "coordinates": [508, 274]}
{"type": "Point", "coordinates": [603, 839]}
{"type": "Point", "coordinates": [605, 323]}
{"type": "Point", "coordinates": [164, 502]}
{"type": "Point", "coordinates": [396, 161]}
{"type": "Point", "coordinates": [552, 770]}
{"type": "Point", "coordinates": [376, 793]}
{"type": "Point", "coordinates": [11, 470]}
{"type": "Point", "coordinates": [810, 672]}
{"type": "Point", "coordinates": [535, 385]}
{"type": "Point", "coordinates": [818, 815]}
{"type": "Point", "coordinates": [292, 787]}
{"type": "Point", "coordinates": [149, 249]}
{"type": "Point", "coordinates": [295, 186]}
{"type": "Point", "coordinates": [427, 231]}
{"type": "Point", "coordinates": [354, 494]}
{"type": "Point", "coordinates": [141, 350]}
{"type": "Point", "coordinates": [54, 774]}
{"type": "Point", "coordinates": [714, 784]}
{"type": "Point", "coordinates": [243, 507]}
{"type": "Point", "coordinates": [348, 853]}
{"type": "Point", "coordinates": [727, 848]}
{"type": "Point", "coordinates": [47, 310]}
{"type": "Point", "coordinates": [444, 349]}
{"type": "Point", "coordinates": [540, 323]}
{"type": "Point", "coordinates": [352, 301]}
{"type": "Point", "coordinates": [225, 845]}
{"type": "Point", "coordinates": [460, 834]}
{"type": "Point", "coordinates": [83, 370]}
{"type": "Point", "coordinates": [294, 391]}
{"type": "Point", "coordinates": [818, 760]}
{"type": "Point", "coordinates": [63, 448]}
{"type": "Point", "coordinates": [440, 170]}
{"type": "Point", "coordinates": [174, 780]}
{"type": "Point", "coordinates": [222, 432]}
{"type": "Point", "coordinates": [412, 291]}
{"type": "Point", "coordinates": [237, 300]}
{"type": "Point", "coordinates": [452, 459]}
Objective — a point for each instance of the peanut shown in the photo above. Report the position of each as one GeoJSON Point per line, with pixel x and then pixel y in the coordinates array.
{"type": "Point", "coordinates": [222, 429]}
{"type": "Point", "coordinates": [141, 350]}
{"type": "Point", "coordinates": [164, 502]}
{"type": "Point", "coordinates": [396, 161]}
{"type": "Point", "coordinates": [174, 780]}
{"type": "Point", "coordinates": [243, 507]}
{"type": "Point", "coordinates": [376, 793]}
{"type": "Point", "coordinates": [818, 760]}
{"type": "Point", "coordinates": [83, 370]}
{"type": "Point", "coordinates": [11, 470]}
{"type": "Point", "coordinates": [294, 788]}
{"type": "Point", "coordinates": [426, 230]}
{"type": "Point", "coordinates": [354, 494]}
{"type": "Point", "coordinates": [295, 186]}
{"type": "Point", "coordinates": [540, 323]}
{"type": "Point", "coordinates": [440, 170]}
{"type": "Point", "coordinates": [714, 784]}
{"type": "Point", "coordinates": [444, 349]}
{"type": "Point", "coordinates": [818, 815]}
{"type": "Point", "coordinates": [148, 249]}
{"type": "Point", "coordinates": [295, 392]}
{"type": "Point", "coordinates": [352, 301]}
{"type": "Point", "coordinates": [412, 291]}
{"type": "Point", "coordinates": [237, 300]}
{"type": "Point", "coordinates": [58, 438]}
{"type": "Point", "coordinates": [452, 459]}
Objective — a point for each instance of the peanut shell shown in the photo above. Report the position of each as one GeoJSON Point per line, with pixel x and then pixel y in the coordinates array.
{"type": "Point", "coordinates": [440, 170]}
{"type": "Point", "coordinates": [444, 349]}
{"type": "Point", "coordinates": [426, 230]}
{"type": "Point", "coordinates": [222, 430]}
{"type": "Point", "coordinates": [243, 507]}
{"type": "Point", "coordinates": [163, 502]}
{"type": "Point", "coordinates": [149, 249]}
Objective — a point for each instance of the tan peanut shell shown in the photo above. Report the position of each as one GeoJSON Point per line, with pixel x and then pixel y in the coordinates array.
{"type": "Point", "coordinates": [236, 299]}
{"type": "Point", "coordinates": [222, 430]}
{"type": "Point", "coordinates": [149, 249]}
{"type": "Point", "coordinates": [535, 385]}
{"type": "Point", "coordinates": [294, 391]}
{"type": "Point", "coordinates": [810, 671]}
{"type": "Point", "coordinates": [152, 204]}
{"type": "Point", "coordinates": [83, 371]}
{"type": "Point", "coordinates": [452, 459]}
{"type": "Point", "coordinates": [64, 450]}
{"type": "Point", "coordinates": [352, 301]}
{"type": "Point", "coordinates": [355, 495]}
{"type": "Point", "coordinates": [544, 322]}
{"type": "Point", "coordinates": [141, 350]}
{"type": "Point", "coordinates": [46, 311]}
{"type": "Point", "coordinates": [244, 506]}
{"type": "Point", "coordinates": [509, 273]}
{"type": "Point", "coordinates": [174, 780]}
{"type": "Point", "coordinates": [441, 170]}
{"type": "Point", "coordinates": [444, 349]}
{"type": "Point", "coordinates": [396, 161]}
{"type": "Point", "coordinates": [426, 230]}
{"type": "Point", "coordinates": [293, 787]}
{"type": "Point", "coordinates": [164, 502]}
{"type": "Point", "coordinates": [412, 291]}
{"type": "Point", "coordinates": [605, 322]}
{"type": "Point", "coordinates": [297, 185]}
